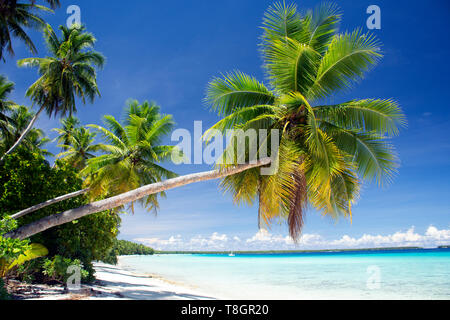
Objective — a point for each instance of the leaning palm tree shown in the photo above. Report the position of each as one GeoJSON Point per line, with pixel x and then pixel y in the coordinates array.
{"type": "Point", "coordinates": [68, 74]}
{"type": "Point", "coordinates": [326, 151]}
{"type": "Point", "coordinates": [14, 17]}
{"type": "Point", "coordinates": [133, 153]}
{"type": "Point", "coordinates": [79, 148]}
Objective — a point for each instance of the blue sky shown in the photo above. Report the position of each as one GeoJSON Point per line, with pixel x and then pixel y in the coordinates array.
{"type": "Point", "coordinates": [168, 51]}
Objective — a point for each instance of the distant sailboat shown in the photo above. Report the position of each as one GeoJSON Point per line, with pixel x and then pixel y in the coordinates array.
{"type": "Point", "coordinates": [231, 254]}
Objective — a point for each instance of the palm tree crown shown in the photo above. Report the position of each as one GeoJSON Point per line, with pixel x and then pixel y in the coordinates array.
{"type": "Point", "coordinates": [326, 151]}
{"type": "Point", "coordinates": [79, 147]}
{"type": "Point", "coordinates": [14, 17]}
{"type": "Point", "coordinates": [69, 73]}
{"type": "Point", "coordinates": [66, 132]}
{"type": "Point", "coordinates": [132, 153]}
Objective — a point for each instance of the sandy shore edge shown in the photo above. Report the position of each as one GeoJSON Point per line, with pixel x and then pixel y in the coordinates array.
{"type": "Point", "coordinates": [114, 282]}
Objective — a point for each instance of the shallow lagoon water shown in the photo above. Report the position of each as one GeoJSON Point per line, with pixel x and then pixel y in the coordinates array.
{"type": "Point", "coordinates": [398, 274]}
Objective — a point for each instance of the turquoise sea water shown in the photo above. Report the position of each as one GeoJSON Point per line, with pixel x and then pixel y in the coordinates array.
{"type": "Point", "coordinates": [400, 274]}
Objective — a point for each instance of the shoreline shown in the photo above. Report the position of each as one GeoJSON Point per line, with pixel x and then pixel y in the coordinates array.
{"type": "Point", "coordinates": [114, 282]}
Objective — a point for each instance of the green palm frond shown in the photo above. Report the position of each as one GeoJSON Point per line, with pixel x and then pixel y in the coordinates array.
{"type": "Point", "coordinates": [6, 88]}
{"type": "Point", "coordinates": [374, 157]}
{"type": "Point", "coordinates": [240, 117]}
{"type": "Point", "coordinates": [381, 116]}
{"type": "Point", "coordinates": [14, 19]}
{"type": "Point", "coordinates": [334, 197]}
{"type": "Point", "coordinates": [291, 65]}
{"type": "Point", "coordinates": [282, 21]}
{"type": "Point", "coordinates": [347, 59]}
{"type": "Point", "coordinates": [110, 136]}
{"type": "Point", "coordinates": [324, 25]}
{"type": "Point", "coordinates": [159, 128]}
{"type": "Point", "coordinates": [236, 91]}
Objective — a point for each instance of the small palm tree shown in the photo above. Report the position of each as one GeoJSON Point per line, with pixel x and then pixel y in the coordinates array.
{"type": "Point", "coordinates": [68, 74]}
{"type": "Point", "coordinates": [14, 17]}
{"type": "Point", "coordinates": [66, 132]}
{"type": "Point", "coordinates": [133, 155]}
{"type": "Point", "coordinates": [79, 148]}
{"type": "Point", "coordinates": [326, 151]}
{"type": "Point", "coordinates": [6, 88]}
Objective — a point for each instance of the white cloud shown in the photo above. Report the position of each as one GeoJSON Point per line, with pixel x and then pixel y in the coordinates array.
{"type": "Point", "coordinates": [432, 238]}
{"type": "Point", "coordinates": [219, 237]}
{"type": "Point", "coordinates": [434, 233]}
{"type": "Point", "coordinates": [264, 240]}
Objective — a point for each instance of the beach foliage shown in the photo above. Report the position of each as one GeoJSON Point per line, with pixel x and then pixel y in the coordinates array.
{"type": "Point", "coordinates": [55, 269]}
{"type": "Point", "coordinates": [26, 177]}
{"type": "Point", "coordinates": [14, 253]}
{"type": "Point", "coordinates": [326, 151]}
{"type": "Point", "coordinates": [33, 251]}
{"type": "Point", "coordinates": [10, 249]}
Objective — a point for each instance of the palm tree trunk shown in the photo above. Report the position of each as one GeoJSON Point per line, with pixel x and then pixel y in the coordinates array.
{"type": "Point", "coordinates": [259, 204]}
{"type": "Point", "coordinates": [24, 133]}
{"type": "Point", "coordinates": [124, 198]}
{"type": "Point", "coordinates": [48, 203]}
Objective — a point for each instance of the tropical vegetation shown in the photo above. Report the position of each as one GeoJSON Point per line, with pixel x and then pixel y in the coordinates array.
{"type": "Point", "coordinates": [327, 151]}
{"type": "Point", "coordinates": [127, 248]}
{"type": "Point", "coordinates": [69, 73]}
{"type": "Point", "coordinates": [26, 177]}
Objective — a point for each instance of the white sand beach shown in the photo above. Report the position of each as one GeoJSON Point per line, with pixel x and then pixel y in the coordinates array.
{"type": "Point", "coordinates": [116, 283]}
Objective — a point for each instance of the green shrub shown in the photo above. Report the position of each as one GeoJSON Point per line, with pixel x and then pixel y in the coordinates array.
{"type": "Point", "coordinates": [27, 179]}
{"type": "Point", "coordinates": [10, 249]}
{"type": "Point", "coordinates": [56, 268]}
